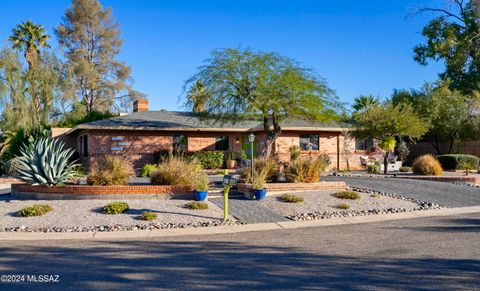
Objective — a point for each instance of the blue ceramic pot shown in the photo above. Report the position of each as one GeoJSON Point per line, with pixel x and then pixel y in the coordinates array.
{"type": "Point", "coordinates": [200, 195]}
{"type": "Point", "coordinates": [260, 194]}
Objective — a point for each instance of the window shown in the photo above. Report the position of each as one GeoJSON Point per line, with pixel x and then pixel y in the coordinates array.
{"type": "Point", "coordinates": [180, 143]}
{"type": "Point", "coordinates": [85, 146]}
{"type": "Point", "coordinates": [309, 142]}
{"type": "Point", "coordinates": [363, 144]}
{"type": "Point", "coordinates": [221, 143]}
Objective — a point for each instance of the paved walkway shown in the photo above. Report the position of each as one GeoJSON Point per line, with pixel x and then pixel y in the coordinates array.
{"type": "Point", "coordinates": [249, 211]}
{"type": "Point", "coordinates": [446, 194]}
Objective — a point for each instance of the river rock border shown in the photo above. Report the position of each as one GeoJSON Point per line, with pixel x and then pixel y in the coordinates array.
{"type": "Point", "coordinates": [421, 205]}
{"type": "Point", "coordinates": [119, 227]}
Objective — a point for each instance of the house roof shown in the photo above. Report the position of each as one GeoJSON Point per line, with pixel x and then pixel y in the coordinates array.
{"type": "Point", "coordinates": [189, 121]}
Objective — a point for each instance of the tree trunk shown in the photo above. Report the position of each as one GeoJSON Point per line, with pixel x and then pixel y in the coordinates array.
{"type": "Point", "coordinates": [271, 134]}
{"type": "Point", "coordinates": [450, 146]}
{"type": "Point", "coordinates": [436, 145]}
{"type": "Point", "coordinates": [385, 162]}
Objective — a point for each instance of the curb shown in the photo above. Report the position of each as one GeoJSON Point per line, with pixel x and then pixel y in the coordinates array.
{"type": "Point", "coordinates": [28, 236]}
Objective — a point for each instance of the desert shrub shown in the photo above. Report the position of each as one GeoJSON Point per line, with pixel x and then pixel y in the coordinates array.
{"type": "Point", "coordinates": [352, 195]}
{"type": "Point", "coordinates": [290, 198]}
{"type": "Point", "coordinates": [11, 167]}
{"type": "Point", "coordinates": [375, 195]}
{"type": "Point", "coordinates": [427, 165]}
{"type": "Point", "coordinates": [458, 161]}
{"type": "Point", "coordinates": [148, 216]}
{"type": "Point", "coordinates": [111, 170]}
{"type": "Point", "coordinates": [196, 205]}
{"type": "Point", "coordinates": [343, 206]}
{"type": "Point", "coordinates": [147, 170]}
{"type": "Point", "coordinates": [261, 166]}
{"type": "Point", "coordinates": [209, 159]}
{"type": "Point", "coordinates": [305, 170]}
{"type": "Point", "coordinates": [294, 152]}
{"type": "Point", "coordinates": [405, 169]}
{"type": "Point", "coordinates": [176, 171]}
{"type": "Point", "coordinates": [201, 182]}
{"type": "Point", "coordinates": [373, 169]}
{"type": "Point", "coordinates": [34, 210]}
{"type": "Point", "coordinates": [115, 208]}
{"type": "Point", "coordinates": [402, 151]}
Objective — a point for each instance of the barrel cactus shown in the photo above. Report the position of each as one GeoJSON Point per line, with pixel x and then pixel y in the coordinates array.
{"type": "Point", "coordinates": [46, 161]}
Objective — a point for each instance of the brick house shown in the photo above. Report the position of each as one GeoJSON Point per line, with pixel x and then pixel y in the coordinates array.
{"type": "Point", "coordinates": [143, 133]}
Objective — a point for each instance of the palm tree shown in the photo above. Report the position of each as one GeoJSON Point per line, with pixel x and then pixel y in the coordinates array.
{"type": "Point", "coordinates": [29, 37]}
{"type": "Point", "coordinates": [364, 102]}
{"type": "Point", "coordinates": [197, 96]}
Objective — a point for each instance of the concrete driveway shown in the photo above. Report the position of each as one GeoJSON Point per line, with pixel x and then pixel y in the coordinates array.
{"type": "Point", "coordinates": [446, 194]}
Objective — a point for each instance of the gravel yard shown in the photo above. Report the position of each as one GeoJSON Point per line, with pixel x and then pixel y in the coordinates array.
{"type": "Point", "coordinates": [87, 213]}
{"type": "Point", "coordinates": [324, 201]}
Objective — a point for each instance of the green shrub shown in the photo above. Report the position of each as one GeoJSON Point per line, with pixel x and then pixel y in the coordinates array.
{"type": "Point", "coordinates": [294, 152]}
{"type": "Point", "coordinates": [343, 206]}
{"type": "Point", "coordinates": [290, 198]}
{"type": "Point", "coordinates": [305, 170]}
{"type": "Point", "coordinates": [427, 165]}
{"type": "Point", "coordinates": [209, 159]}
{"type": "Point", "coordinates": [352, 195]}
{"type": "Point", "coordinates": [116, 208]}
{"type": "Point", "coordinates": [264, 167]}
{"type": "Point", "coordinates": [176, 171]}
{"type": "Point", "coordinates": [147, 170]}
{"type": "Point", "coordinates": [46, 161]}
{"type": "Point", "coordinates": [34, 210]}
{"type": "Point", "coordinates": [373, 169]}
{"type": "Point", "coordinates": [230, 156]}
{"type": "Point", "coordinates": [148, 216]}
{"type": "Point", "coordinates": [160, 156]}
{"type": "Point", "coordinates": [458, 161]}
{"type": "Point", "coordinates": [196, 205]}
{"type": "Point", "coordinates": [112, 170]}
{"type": "Point", "coordinates": [405, 169]}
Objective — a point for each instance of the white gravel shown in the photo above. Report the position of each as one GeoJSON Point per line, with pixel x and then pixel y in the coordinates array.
{"type": "Point", "coordinates": [323, 201]}
{"type": "Point", "coordinates": [85, 213]}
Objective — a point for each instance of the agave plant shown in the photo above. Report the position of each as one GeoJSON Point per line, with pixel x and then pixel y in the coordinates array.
{"type": "Point", "coordinates": [46, 161]}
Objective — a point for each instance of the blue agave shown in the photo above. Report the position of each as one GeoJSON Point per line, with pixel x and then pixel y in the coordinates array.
{"type": "Point", "coordinates": [46, 161]}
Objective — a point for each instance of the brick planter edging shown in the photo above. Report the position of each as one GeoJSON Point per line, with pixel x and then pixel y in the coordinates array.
{"type": "Point", "coordinates": [282, 187]}
{"type": "Point", "coordinates": [464, 179]}
{"type": "Point", "coordinates": [9, 180]}
{"type": "Point", "coordinates": [71, 191]}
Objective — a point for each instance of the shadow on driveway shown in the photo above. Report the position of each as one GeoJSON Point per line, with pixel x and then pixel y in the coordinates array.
{"type": "Point", "coordinates": [219, 265]}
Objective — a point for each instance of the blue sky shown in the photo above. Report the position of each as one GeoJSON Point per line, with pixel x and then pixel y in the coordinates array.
{"type": "Point", "coordinates": [359, 47]}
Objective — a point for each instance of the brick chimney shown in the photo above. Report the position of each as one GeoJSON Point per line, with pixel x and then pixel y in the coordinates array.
{"type": "Point", "coordinates": [140, 105]}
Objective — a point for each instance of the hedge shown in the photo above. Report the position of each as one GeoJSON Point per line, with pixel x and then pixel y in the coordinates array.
{"type": "Point", "coordinates": [455, 161]}
{"type": "Point", "coordinates": [209, 159]}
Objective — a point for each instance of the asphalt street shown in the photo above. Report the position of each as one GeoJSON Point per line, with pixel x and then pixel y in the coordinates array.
{"type": "Point", "coordinates": [437, 253]}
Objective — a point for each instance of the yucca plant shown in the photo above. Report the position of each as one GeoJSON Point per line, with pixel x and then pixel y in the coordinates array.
{"type": "Point", "coordinates": [45, 161]}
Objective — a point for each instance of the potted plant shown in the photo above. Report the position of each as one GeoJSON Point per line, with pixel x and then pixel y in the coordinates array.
{"type": "Point", "coordinates": [201, 187]}
{"type": "Point", "coordinates": [230, 160]}
{"type": "Point", "coordinates": [258, 187]}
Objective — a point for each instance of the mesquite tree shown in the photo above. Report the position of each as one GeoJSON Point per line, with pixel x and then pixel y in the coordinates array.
{"type": "Point", "coordinates": [387, 122]}
{"type": "Point", "coordinates": [245, 84]}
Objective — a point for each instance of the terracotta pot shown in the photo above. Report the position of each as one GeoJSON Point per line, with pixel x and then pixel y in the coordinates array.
{"type": "Point", "coordinates": [231, 164]}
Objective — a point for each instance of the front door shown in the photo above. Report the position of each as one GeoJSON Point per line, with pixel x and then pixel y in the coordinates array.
{"type": "Point", "coordinates": [246, 147]}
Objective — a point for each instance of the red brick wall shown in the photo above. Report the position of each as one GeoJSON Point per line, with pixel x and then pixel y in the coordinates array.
{"type": "Point", "coordinates": [143, 145]}
{"type": "Point", "coordinates": [102, 190]}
